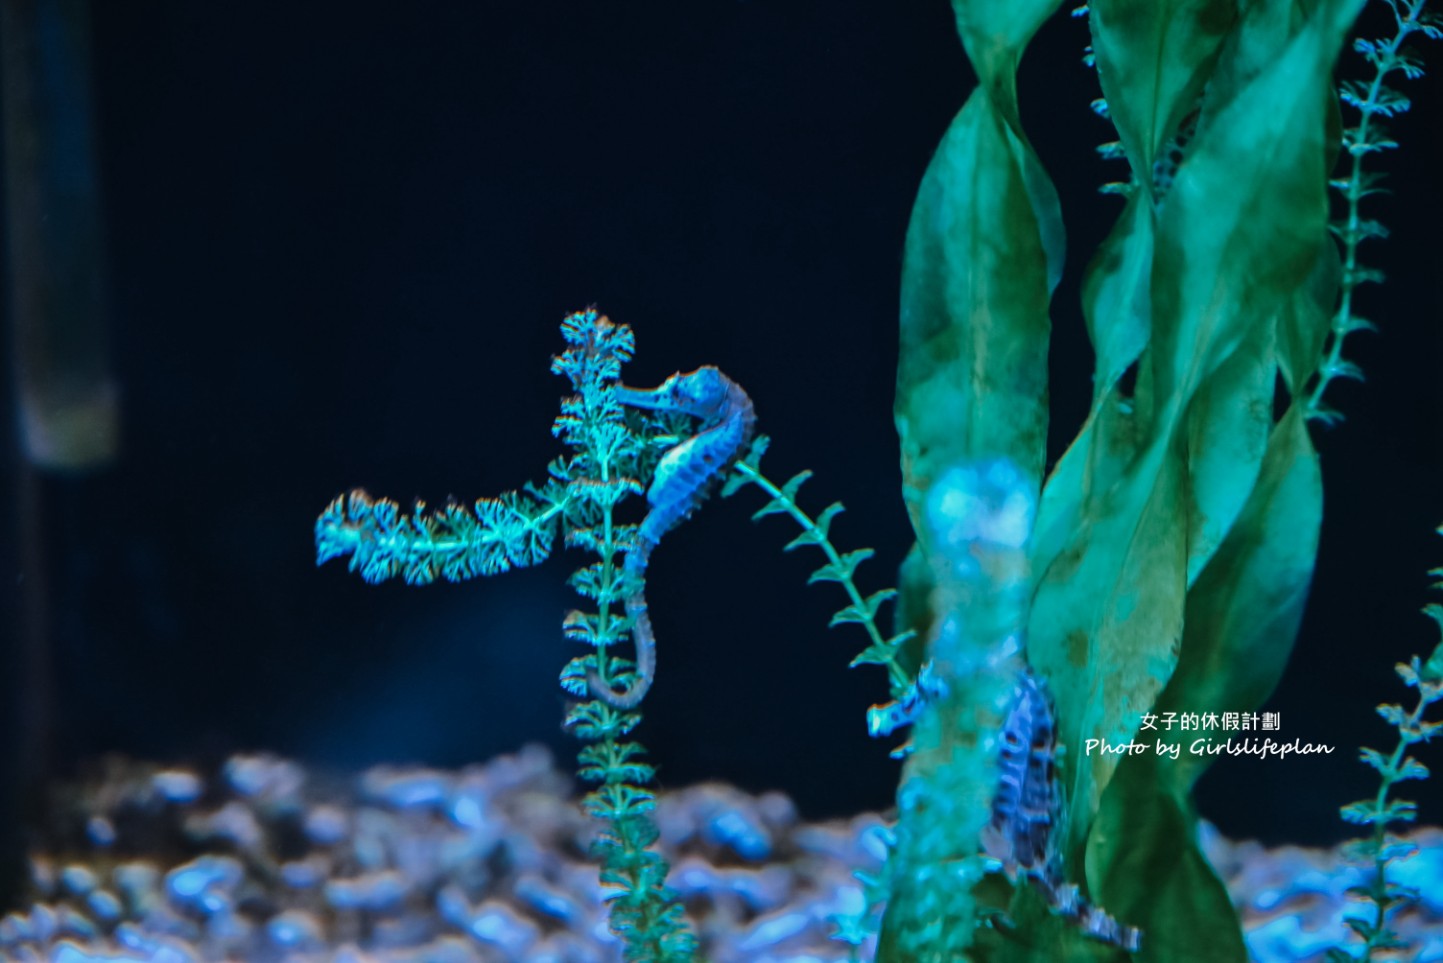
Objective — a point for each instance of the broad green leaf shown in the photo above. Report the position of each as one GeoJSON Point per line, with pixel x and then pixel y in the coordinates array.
{"type": "Point", "coordinates": [1031, 932]}
{"type": "Point", "coordinates": [1244, 610]}
{"type": "Point", "coordinates": [1083, 482]}
{"type": "Point", "coordinates": [1109, 545]}
{"type": "Point", "coordinates": [1306, 318]}
{"type": "Point", "coordinates": [1239, 231]}
{"type": "Point", "coordinates": [972, 378]}
{"type": "Point", "coordinates": [994, 36]}
{"type": "Point", "coordinates": [1242, 615]}
{"type": "Point", "coordinates": [1145, 867]}
{"type": "Point", "coordinates": [1153, 58]}
{"type": "Point", "coordinates": [983, 252]}
{"type": "Point", "coordinates": [1263, 28]}
{"type": "Point", "coordinates": [1116, 300]}
{"type": "Point", "coordinates": [1226, 431]}
{"type": "Point", "coordinates": [1107, 619]}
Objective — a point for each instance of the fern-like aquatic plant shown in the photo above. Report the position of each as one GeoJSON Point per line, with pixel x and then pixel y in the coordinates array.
{"type": "Point", "coordinates": [621, 440]}
{"type": "Point", "coordinates": [1375, 102]}
{"type": "Point", "coordinates": [604, 470]}
{"type": "Point", "coordinates": [885, 650]}
{"type": "Point", "coordinates": [1380, 849]}
{"type": "Point", "coordinates": [611, 457]}
{"type": "Point", "coordinates": [908, 691]}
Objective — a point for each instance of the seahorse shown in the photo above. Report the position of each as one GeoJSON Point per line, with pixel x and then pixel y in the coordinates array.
{"type": "Point", "coordinates": [1027, 815]}
{"type": "Point", "coordinates": [684, 477]}
{"type": "Point", "coordinates": [885, 719]}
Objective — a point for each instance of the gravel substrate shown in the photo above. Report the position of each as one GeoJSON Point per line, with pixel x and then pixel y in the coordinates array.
{"type": "Point", "coordinates": [267, 862]}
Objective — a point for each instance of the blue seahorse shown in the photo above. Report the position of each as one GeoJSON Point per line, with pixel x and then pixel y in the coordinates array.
{"type": "Point", "coordinates": [684, 477]}
{"type": "Point", "coordinates": [1027, 815]}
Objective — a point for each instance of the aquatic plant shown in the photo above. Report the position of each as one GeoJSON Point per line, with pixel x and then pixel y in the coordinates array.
{"type": "Point", "coordinates": [1046, 619]}
{"type": "Point", "coordinates": [676, 443]}
{"type": "Point", "coordinates": [840, 567]}
{"type": "Point", "coordinates": [1174, 541]}
{"type": "Point", "coordinates": [578, 501]}
{"type": "Point", "coordinates": [1381, 848]}
{"type": "Point", "coordinates": [1374, 102]}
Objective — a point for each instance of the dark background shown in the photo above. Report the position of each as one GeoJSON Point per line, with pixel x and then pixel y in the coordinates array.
{"type": "Point", "coordinates": [340, 239]}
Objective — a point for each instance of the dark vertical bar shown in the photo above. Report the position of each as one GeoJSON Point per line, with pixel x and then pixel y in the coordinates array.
{"type": "Point", "coordinates": [61, 397]}
{"type": "Point", "coordinates": [69, 405]}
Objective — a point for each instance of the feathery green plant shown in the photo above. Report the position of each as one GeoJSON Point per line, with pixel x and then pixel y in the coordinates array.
{"type": "Point", "coordinates": [889, 652]}
{"type": "Point", "coordinates": [611, 457]}
{"type": "Point", "coordinates": [1380, 849]}
{"type": "Point", "coordinates": [1375, 102]}
{"type": "Point", "coordinates": [608, 461]}
{"type": "Point", "coordinates": [886, 651]}
{"type": "Point", "coordinates": [616, 452]}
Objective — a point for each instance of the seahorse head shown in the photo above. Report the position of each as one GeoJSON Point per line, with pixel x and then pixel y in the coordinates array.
{"type": "Point", "coordinates": [701, 393]}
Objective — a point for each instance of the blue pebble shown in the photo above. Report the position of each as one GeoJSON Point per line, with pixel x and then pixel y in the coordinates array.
{"type": "Point", "coordinates": [737, 830]}
{"type": "Point", "coordinates": [294, 930]}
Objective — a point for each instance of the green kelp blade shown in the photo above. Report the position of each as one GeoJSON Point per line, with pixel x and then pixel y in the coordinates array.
{"type": "Point", "coordinates": [984, 250]}
{"type": "Point", "coordinates": [1226, 433]}
{"type": "Point", "coordinates": [1243, 614]}
{"type": "Point", "coordinates": [1030, 931]}
{"type": "Point", "coordinates": [1237, 234]}
{"type": "Point", "coordinates": [972, 377]}
{"type": "Point", "coordinates": [1144, 859]}
{"type": "Point", "coordinates": [1306, 319]}
{"type": "Point", "coordinates": [1239, 231]}
{"type": "Point", "coordinates": [1107, 620]}
{"type": "Point", "coordinates": [1239, 271]}
{"type": "Point", "coordinates": [1116, 297]}
{"type": "Point", "coordinates": [994, 36]}
{"type": "Point", "coordinates": [1116, 305]}
{"type": "Point", "coordinates": [1153, 58]}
